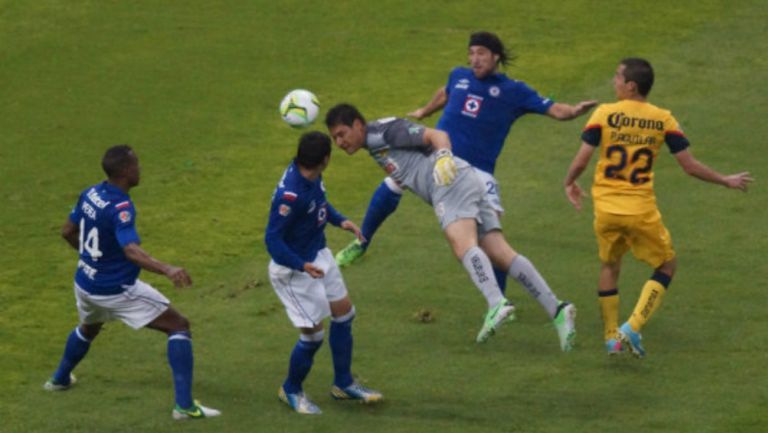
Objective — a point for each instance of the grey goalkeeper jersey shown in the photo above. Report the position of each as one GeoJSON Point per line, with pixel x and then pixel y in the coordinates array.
{"type": "Point", "coordinates": [398, 147]}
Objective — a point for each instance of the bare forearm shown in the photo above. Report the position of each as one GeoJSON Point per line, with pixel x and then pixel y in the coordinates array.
{"type": "Point", "coordinates": [435, 104]}
{"type": "Point", "coordinates": [142, 259]}
{"type": "Point", "coordinates": [701, 171]}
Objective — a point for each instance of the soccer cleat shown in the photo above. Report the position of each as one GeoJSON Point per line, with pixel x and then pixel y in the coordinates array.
{"type": "Point", "coordinates": [613, 347]}
{"type": "Point", "coordinates": [197, 411]}
{"type": "Point", "coordinates": [53, 385]}
{"type": "Point", "coordinates": [566, 326]}
{"type": "Point", "coordinates": [299, 402]}
{"type": "Point", "coordinates": [503, 311]}
{"type": "Point", "coordinates": [350, 254]}
{"type": "Point", "coordinates": [355, 391]}
{"type": "Point", "coordinates": [631, 340]}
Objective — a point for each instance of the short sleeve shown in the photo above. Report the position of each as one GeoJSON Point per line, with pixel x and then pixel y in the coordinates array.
{"type": "Point", "coordinates": [531, 100]}
{"type": "Point", "coordinates": [592, 132]}
{"type": "Point", "coordinates": [674, 136]}
{"type": "Point", "coordinates": [124, 221]}
{"type": "Point", "coordinates": [404, 133]}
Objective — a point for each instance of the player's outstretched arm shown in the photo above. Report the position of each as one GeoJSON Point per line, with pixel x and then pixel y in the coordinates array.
{"type": "Point", "coordinates": [437, 103]}
{"type": "Point", "coordinates": [352, 227]}
{"type": "Point", "coordinates": [561, 111]}
{"type": "Point", "coordinates": [71, 233]}
{"type": "Point", "coordinates": [695, 168]}
{"type": "Point", "coordinates": [177, 275]}
{"type": "Point", "coordinates": [573, 191]}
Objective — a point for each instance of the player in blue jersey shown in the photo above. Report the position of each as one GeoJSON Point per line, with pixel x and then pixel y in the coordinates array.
{"type": "Point", "coordinates": [101, 227]}
{"type": "Point", "coordinates": [481, 104]}
{"type": "Point", "coordinates": [306, 278]}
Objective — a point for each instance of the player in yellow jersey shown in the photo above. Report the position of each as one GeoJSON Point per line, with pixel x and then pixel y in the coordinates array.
{"type": "Point", "coordinates": [628, 135]}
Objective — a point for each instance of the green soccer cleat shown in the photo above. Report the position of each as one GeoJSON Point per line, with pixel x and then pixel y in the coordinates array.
{"type": "Point", "coordinates": [503, 311]}
{"type": "Point", "coordinates": [350, 254]}
{"type": "Point", "coordinates": [53, 385]}
{"type": "Point", "coordinates": [566, 326]}
{"type": "Point", "coordinates": [355, 391]}
{"type": "Point", "coordinates": [197, 411]}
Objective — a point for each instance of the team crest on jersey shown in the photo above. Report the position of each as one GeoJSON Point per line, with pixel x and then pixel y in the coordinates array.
{"type": "Point", "coordinates": [124, 216]}
{"type": "Point", "coordinates": [472, 105]}
{"type": "Point", "coordinates": [494, 91]}
{"type": "Point", "coordinates": [284, 210]}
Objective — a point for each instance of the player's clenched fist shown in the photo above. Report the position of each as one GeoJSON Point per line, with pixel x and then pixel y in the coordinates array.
{"type": "Point", "coordinates": [445, 168]}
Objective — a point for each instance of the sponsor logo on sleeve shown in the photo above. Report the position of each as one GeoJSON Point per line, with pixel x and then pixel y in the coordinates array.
{"type": "Point", "coordinates": [123, 204]}
{"type": "Point", "coordinates": [284, 210]}
{"type": "Point", "coordinates": [289, 196]}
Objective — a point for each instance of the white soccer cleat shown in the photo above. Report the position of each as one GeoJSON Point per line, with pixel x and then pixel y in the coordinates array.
{"type": "Point", "coordinates": [299, 402]}
{"type": "Point", "coordinates": [53, 385]}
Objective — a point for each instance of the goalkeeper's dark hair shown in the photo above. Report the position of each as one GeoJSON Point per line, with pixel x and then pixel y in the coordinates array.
{"type": "Point", "coordinates": [641, 72]}
{"type": "Point", "coordinates": [116, 159]}
{"type": "Point", "coordinates": [314, 147]}
{"type": "Point", "coordinates": [343, 114]}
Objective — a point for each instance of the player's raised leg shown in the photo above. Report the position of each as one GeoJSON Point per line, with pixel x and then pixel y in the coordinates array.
{"type": "Point", "coordinates": [181, 360]}
{"type": "Point", "coordinates": [78, 344]}
{"type": "Point", "coordinates": [563, 314]}
{"type": "Point", "coordinates": [462, 236]}
{"type": "Point", "coordinates": [383, 203]}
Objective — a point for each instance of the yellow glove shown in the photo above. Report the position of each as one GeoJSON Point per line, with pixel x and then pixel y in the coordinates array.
{"type": "Point", "coordinates": [445, 168]}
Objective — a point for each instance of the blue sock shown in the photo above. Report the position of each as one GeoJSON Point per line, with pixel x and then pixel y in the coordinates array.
{"type": "Point", "coordinates": [501, 279]}
{"type": "Point", "coordinates": [383, 203]}
{"type": "Point", "coordinates": [340, 340]}
{"type": "Point", "coordinates": [74, 351]}
{"type": "Point", "coordinates": [181, 360]}
{"type": "Point", "coordinates": [302, 356]}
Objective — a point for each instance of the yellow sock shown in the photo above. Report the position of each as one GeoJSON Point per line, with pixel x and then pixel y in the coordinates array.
{"type": "Point", "coordinates": [650, 299]}
{"type": "Point", "coordinates": [609, 308]}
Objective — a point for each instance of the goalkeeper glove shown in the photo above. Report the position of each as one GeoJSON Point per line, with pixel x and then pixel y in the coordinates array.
{"type": "Point", "coordinates": [445, 168]}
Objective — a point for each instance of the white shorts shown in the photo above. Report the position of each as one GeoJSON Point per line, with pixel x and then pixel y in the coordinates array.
{"type": "Point", "coordinates": [137, 306]}
{"type": "Point", "coordinates": [492, 194]}
{"type": "Point", "coordinates": [306, 299]}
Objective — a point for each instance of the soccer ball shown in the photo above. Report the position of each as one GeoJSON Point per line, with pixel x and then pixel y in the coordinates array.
{"type": "Point", "coordinates": [299, 108]}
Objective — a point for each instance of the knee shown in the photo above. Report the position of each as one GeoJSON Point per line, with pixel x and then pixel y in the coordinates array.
{"type": "Point", "coordinates": [90, 331]}
{"type": "Point", "coordinates": [668, 268]}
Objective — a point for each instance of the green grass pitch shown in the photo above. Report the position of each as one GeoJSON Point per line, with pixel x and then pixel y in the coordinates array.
{"type": "Point", "coordinates": [194, 87]}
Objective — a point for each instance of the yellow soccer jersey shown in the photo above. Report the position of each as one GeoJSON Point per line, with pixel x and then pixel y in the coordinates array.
{"type": "Point", "coordinates": [629, 134]}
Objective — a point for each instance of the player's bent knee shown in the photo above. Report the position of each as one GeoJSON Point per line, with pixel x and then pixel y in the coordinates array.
{"type": "Point", "coordinates": [90, 331]}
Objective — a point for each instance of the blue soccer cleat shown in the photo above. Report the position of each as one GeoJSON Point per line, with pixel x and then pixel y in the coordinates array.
{"type": "Point", "coordinates": [614, 347]}
{"type": "Point", "coordinates": [299, 402]}
{"type": "Point", "coordinates": [631, 340]}
{"type": "Point", "coordinates": [355, 391]}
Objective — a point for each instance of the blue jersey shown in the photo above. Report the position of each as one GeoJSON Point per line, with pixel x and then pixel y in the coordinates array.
{"type": "Point", "coordinates": [479, 113]}
{"type": "Point", "coordinates": [297, 219]}
{"type": "Point", "coordinates": [106, 218]}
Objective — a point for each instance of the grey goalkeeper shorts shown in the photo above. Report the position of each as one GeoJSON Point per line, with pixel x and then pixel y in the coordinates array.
{"type": "Point", "coordinates": [465, 198]}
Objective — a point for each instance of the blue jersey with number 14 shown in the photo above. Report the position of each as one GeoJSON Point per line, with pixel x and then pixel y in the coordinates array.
{"type": "Point", "coordinates": [479, 114]}
{"type": "Point", "coordinates": [105, 216]}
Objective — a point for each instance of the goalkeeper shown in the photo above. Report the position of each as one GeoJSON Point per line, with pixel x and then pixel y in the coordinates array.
{"type": "Point", "coordinates": [420, 159]}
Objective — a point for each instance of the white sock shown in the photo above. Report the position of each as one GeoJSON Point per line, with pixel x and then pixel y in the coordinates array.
{"type": "Point", "coordinates": [479, 267]}
{"type": "Point", "coordinates": [523, 271]}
